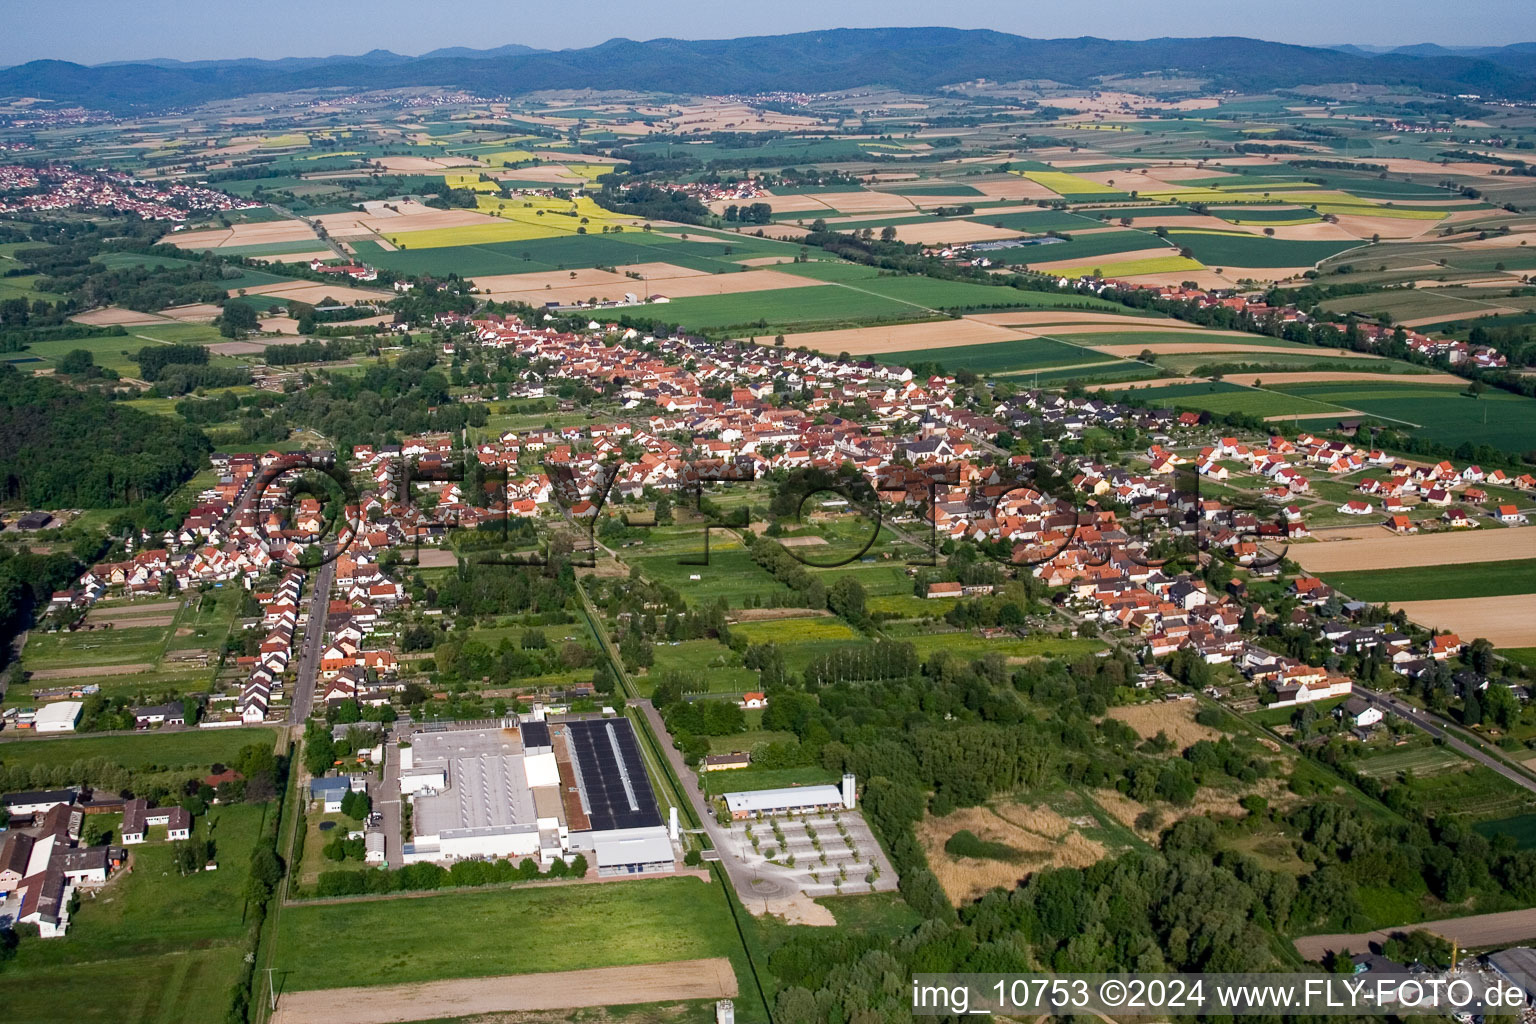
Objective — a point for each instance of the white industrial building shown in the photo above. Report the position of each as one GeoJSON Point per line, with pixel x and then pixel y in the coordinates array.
{"type": "Point", "coordinates": [59, 716]}
{"type": "Point", "coordinates": [539, 790]}
{"type": "Point", "coordinates": [791, 800]}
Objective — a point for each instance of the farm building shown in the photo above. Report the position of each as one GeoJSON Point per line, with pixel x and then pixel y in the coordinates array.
{"type": "Point", "coordinates": [60, 716]}
{"type": "Point", "coordinates": [138, 817]}
{"type": "Point", "coordinates": [544, 790]}
{"type": "Point", "coordinates": [726, 762]}
{"type": "Point", "coordinates": [29, 804]}
{"type": "Point", "coordinates": [792, 800]}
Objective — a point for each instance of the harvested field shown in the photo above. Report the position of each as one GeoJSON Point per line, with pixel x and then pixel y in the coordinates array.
{"type": "Point", "coordinates": [196, 313]}
{"type": "Point", "coordinates": [1508, 621]}
{"type": "Point", "coordinates": [668, 271]}
{"type": "Point", "coordinates": [859, 341]}
{"type": "Point", "coordinates": [1173, 718]}
{"type": "Point", "coordinates": [436, 558]}
{"type": "Point", "coordinates": [566, 990]}
{"type": "Point", "coordinates": [259, 233]}
{"type": "Point", "coordinates": [943, 232]}
{"type": "Point", "coordinates": [1381, 550]}
{"type": "Point", "coordinates": [1110, 260]}
{"type": "Point", "coordinates": [1038, 836]}
{"type": "Point", "coordinates": [1032, 317]}
{"type": "Point", "coordinates": [554, 278]}
{"type": "Point", "coordinates": [238, 348]}
{"type": "Point", "coordinates": [89, 670]}
{"type": "Point", "coordinates": [111, 315]}
{"type": "Point", "coordinates": [423, 163]}
{"type": "Point", "coordinates": [808, 541]}
{"type": "Point", "coordinates": [866, 202]}
{"type": "Point", "coordinates": [1425, 321]}
{"type": "Point", "coordinates": [693, 285]}
{"type": "Point", "coordinates": [1150, 328]}
{"type": "Point", "coordinates": [1011, 187]}
{"type": "Point", "coordinates": [313, 293]}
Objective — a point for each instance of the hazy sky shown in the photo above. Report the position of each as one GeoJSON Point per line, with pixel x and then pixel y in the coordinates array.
{"type": "Point", "coordinates": [93, 31]}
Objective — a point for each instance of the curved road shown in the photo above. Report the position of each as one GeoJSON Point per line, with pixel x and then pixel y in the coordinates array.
{"type": "Point", "coordinates": [1427, 722]}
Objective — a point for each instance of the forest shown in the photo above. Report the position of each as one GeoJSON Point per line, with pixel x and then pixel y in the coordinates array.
{"type": "Point", "coordinates": [63, 448]}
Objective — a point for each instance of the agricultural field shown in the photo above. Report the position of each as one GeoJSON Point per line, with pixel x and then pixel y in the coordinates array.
{"type": "Point", "coordinates": [192, 749]}
{"type": "Point", "coordinates": [1443, 413]}
{"type": "Point", "coordinates": [1241, 249]}
{"type": "Point", "coordinates": [133, 646]}
{"type": "Point", "coordinates": [1441, 582]}
{"type": "Point", "coordinates": [463, 935]}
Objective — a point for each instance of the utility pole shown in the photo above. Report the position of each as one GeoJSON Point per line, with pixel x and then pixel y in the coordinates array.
{"type": "Point", "coordinates": [272, 989]}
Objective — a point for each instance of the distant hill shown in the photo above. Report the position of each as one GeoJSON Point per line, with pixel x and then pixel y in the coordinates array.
{"type": "Point", "coordinates": [918, 59]}
{"type": "Point", "coordinates": [302, 63]}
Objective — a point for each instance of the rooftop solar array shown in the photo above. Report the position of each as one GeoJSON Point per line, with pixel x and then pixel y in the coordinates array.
{"type": "Point", "coordinates": [535, 734]}
{"type": "Point", "coordinates": [613, 780]}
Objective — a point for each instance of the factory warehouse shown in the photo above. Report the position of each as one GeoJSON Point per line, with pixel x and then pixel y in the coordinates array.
{"type": "Point", "coordinates": [545, 790]}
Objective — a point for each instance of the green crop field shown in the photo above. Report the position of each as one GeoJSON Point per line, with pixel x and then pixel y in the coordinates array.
{"type": "Point", "coordinates": [160, 948]}
{"type": "Point", "coordinates": [121, 646]}
{"type": "Point", "coordinates": [795, 630]}
{"type": "Point", "coordinates": [966, 645]}
{"type": "Point", "coordinates": [730, 572]}
{"type": "Point", "coordinates": [1419, 760]}
{"type": "Point", "coordinates": [1442, 412]}
{"type": "Point", "coordinates": [1522, 827]}
{"type": "Point", "coordinates": [1215, 339]}
{"type": "Point", "coordinates": [1000, 356]}
{"type": "Point", "coordinates": [1439, 582]}
{"type": "Point", "coordinates": [1240, 249]}
{"type": "Point", "coordinates": [1224, 397]}
{"type": "Point", "coordinates": [193, 749]}
{"type": "Point", "coordinates": [1080, 247]}
{"type": "Point", "coordinates": [470, 934]}
{"type": "Point", "coordinates": [1272, 215]}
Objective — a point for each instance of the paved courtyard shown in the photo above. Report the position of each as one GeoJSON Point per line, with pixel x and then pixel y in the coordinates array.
{"type": "Point", "coordinates": [824, 854]}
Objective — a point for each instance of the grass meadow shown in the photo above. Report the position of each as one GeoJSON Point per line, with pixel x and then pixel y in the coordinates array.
{"type": "Point", "coordinates": [477, 934]}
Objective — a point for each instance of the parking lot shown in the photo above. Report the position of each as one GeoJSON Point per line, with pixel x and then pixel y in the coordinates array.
{"type": "Point", "coordinates": [824, 854]}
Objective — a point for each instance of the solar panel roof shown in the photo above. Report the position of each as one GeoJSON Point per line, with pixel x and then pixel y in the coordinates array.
{"type": "Point", "coordinates": [535, 734]}
{"type": "Point", "coordinates": [613, 778]}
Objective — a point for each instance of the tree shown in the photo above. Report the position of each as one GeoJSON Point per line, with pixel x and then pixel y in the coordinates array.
{"type": "Point", "coordinates": [888, 234]}
{"type": "Point", "coordinates": [238, 320]}
{"type": "Point", "coordinates": [266, 871]}
{"type": "Point", "coordinates": [579, 866]}
{"type": "Point", "coordinates": [77, 361]}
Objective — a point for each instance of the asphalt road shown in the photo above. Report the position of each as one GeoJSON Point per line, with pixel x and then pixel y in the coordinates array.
{"type": "Point", "coordinates": [314, 645]}
{"type": "Point", "coordinates": [1425, 721]}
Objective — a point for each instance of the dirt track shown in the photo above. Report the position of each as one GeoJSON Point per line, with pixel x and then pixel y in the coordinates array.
{"type": "Point", "coordinates": [1383, 550]}
{"type": "Point", "coordinates": [603, 986]}
{"type": "Point", "coordinates": [1480, 930]}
